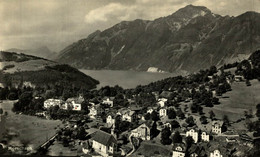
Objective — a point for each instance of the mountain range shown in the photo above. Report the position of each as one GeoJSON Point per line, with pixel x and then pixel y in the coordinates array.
{"type": "Point", "coordinates": [190, 39]}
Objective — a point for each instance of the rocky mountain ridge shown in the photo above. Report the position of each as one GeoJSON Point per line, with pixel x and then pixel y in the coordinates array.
{"type": "Point", "coordinates": [190, 39]}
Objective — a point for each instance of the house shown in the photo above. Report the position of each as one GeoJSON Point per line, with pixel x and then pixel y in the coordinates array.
{"type": "Point", "coordinates": [163, 112]}
{"type": "Point", "coordinates": [128, 115]}
{"type": "Point", "coordinates": [217, 127]}
{"type": "Point", "coordinates": [103, 143]}
{"type": "Point", "coordinates": [204, 136]}
{"type": "Point", "coordinates": [168, 125]}
{"type": "Point", "coordinates": [108, 101]}
{"type": "Point", "coordinates": [143, 131]}
{"type": "Point", "coordinates": [216, 153]}
{"type": "Point", "coordinates": [52, 102]}
{"type": "Point", "coordinates": [193, 134]}
{"type": "Point", "coordinates": [179, 150]}
{"type": "Point", "coordinates": [93, 112]}
{"type": "Point", "coordinates": [162, 101]}
{"type": "Point", "coordinates": [110, 119]}
{"type": "Point", "coordinates": [75, 103]}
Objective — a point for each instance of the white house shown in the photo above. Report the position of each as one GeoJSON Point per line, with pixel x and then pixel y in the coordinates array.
{"type": "Point", "coordinates": [52, 102]}
{"type": "Point", "coordinates": [103, 143]}
{"type": "Point", "coordinates": [110, 119]}
{"type": "Point", "coordinates": [143, 131]}
{"type": "Point", "coordinates": [93, 112]}
{"type": "Point", "coordinates": [193, 134]}
{"type": "Point", "coordinates": [108, 101]}
{"type": "Point", "coordinates": [163, 112]}
{"type": "Point", "coordinates": [179, 150]}
{"type": "Point", "coordinates": [204, 136]}
{"type": "Point", "coordinates": [217, 127]}
{"type": "Point", "coordinates": [149, 110]}
{"type": "Point", "coordinates": [216, 153]}
{"type": "Point", "coordinates": [162, 102]}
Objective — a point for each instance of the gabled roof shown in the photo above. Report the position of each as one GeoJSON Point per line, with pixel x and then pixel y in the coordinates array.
{"type": "Point", "coordinates": [103, 138]}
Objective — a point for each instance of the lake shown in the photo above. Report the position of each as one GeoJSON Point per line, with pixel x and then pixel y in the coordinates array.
{"type": "Point", "coordinates": [125, 79]}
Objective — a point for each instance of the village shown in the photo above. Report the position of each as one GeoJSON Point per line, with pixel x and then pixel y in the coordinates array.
{"type": "Point", "coordinates": [176, 120]}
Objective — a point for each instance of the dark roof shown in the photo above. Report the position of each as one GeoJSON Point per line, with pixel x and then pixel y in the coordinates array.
{"type": "Point", "coordinates": [103, 138]}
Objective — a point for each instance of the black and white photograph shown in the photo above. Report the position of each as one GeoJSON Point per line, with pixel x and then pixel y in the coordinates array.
{"type": "Point", "coordinates": [130, 78]}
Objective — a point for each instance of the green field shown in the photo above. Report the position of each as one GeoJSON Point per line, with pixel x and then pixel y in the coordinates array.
{"type": "Point", "coordinates": [240, 99]}
{"type": "Point", "coordinates": [29, 129]}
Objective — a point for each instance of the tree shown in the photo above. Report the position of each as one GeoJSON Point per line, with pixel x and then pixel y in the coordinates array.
{"type": "Point", "coordinates": [211, 115]}
{"type": "Point", "coordinates": [165, 136]}
{"type": "Point", "coordinates": [190, 121]}
{"type": "Point", "coordinates": [189, 141]}
{"type": "Point", "coordinates": [171, 114]}
{"type": "Point", "coordinates": [147, 116]}
{"type": "Point", "coordinates": [154, 116]}
{"type": "Point", "coordinates": [226, 120]}
{"type": "Point", "coordinates": [177, 137]}
{"type": "Point", "coordinates": [180, 114]}
{"type": "Point", "coordinates": [154, 130]}
{"type": "Point", "coordinates": [258, 111]}
{"type": "Point", "coordinates": [175, 124]}
{"type": "Point", "coordinates": [215, 100]}
{"type": "Point", "coordinates": [203, 120]}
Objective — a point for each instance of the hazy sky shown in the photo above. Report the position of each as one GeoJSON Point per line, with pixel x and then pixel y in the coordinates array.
{"type": "Point", "coordinates": [29, 24]}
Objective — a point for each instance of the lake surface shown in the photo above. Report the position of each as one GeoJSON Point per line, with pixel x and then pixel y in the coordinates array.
{"type": "Point", "coordinates": [125, 79]}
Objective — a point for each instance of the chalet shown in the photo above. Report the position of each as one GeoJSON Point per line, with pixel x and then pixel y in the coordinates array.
{"type": "Point", "coordinates": [162, 101]}
{"type": "Point", "coordinates": [217, 127]}
{"type": "Point", "coordinates": [108, 101]}
{"type": "Point", "coordinates": [103, 143]}
{"type": "Point", "coordinates": [52, 102]}
{"type": "Point", "coordinates": [128, 115]}
{"type": "Point", "coordinates": [194, 134]}
{"type": "Point", "coordinates": [204, 136]}
{"type": "Point", "coordinates": [163, 112]}
{"type": "Point", "coordinates": [216, 153]}
{"type": "Point", "coordinates": [179, 150]}
{"type": "Point", "coordinates": [143, 131]}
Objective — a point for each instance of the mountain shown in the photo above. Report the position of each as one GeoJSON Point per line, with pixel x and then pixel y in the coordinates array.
{"type": "Point", "coordinates": [19, 68]}
{"type": "Point", "coordinates": [190, 39]}
{"type": "Point", "coordinates": [43, 52]}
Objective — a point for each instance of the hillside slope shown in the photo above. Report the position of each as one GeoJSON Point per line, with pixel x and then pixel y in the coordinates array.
{"type": "Point", "coordinates": [190, 39]}
{"type": "Point", "coordinates": [15, 69]}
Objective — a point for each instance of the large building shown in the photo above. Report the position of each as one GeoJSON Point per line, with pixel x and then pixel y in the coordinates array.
{"type": "Point", "coordinates": [143, 132]}
{"type": "Point", "coordinates": [52, 102]}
